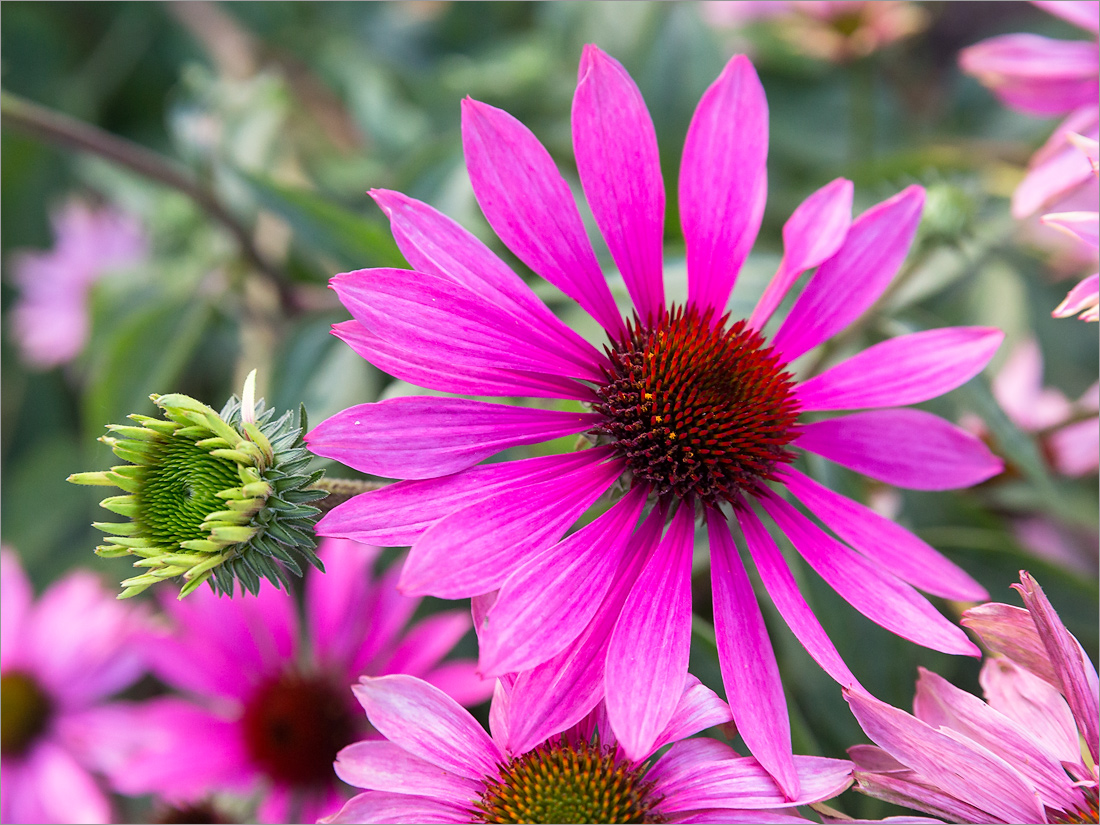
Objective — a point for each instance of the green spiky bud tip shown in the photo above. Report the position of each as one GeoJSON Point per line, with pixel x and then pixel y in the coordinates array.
{"type": "Point", "coordinates": [222, 497]}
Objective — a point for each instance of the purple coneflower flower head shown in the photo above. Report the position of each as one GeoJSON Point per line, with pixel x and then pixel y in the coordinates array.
{"type": "Point", "coordinates": [50, 318]}
{"type": "Point", "coordinates": [60, 659]}
{"type": "Point", "coordinates": [272, 705]}
{"type": "Point", "coordinates": [1026, 754]}
{"type": "Point", "coordinates": [692, 412]}
{"type": "Point", "coordinates": [439, 765]}
{"type": "Point", "coordinates": [1084, 299]}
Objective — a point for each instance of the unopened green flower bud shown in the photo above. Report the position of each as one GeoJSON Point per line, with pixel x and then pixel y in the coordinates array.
{"type": "Point", "coordinates": [219, 497]}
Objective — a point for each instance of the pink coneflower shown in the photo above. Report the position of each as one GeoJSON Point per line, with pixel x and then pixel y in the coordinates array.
{"type": "Point", "coordinates": [439, 765]}
{"type": "Point", "coordinates": [1018, 756]}
{"type": "Point", "coordinates": [1084, 299]}
{"type": "Point", "coordinates": [60, 658]}
{"type": "Point", "coordinates": [695, 414]}
{"type": "Point", "coordinates": [50, 318]}
{"type": "Point", "coordinates": [274, 708]}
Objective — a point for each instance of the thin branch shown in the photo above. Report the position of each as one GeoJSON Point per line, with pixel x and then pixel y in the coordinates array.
{"type": "Point", "coordinates": [62, 130]}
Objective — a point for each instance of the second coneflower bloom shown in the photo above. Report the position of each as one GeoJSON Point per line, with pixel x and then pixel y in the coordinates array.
{"type": "Point", "coordinates": [696, 415]}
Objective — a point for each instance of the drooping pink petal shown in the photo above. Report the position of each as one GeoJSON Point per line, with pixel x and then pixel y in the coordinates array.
{"type": "Point", "coordinates": [1082, 13]}
{"type": "Point", "coordinates": [428, 724]}
{"type": "Point", "coordinates": [943, 706]}
{"type": "Point", "coordinates": [1035, 704]}
{"type": "Point", "coordinates": [903, 370]}
{"type": "Point", "coordinates": [397, 515]}
{"type": "Point", "coordinates": [906, 448]}
{"type": "Point", "coordinates": [749, 670]}
{"type": "Point", "coordinates": [1083, 298]}
{"type": "Point", "coordinates": [1082, 225]}
{"type": "Point", "coordinates": [475, 549]}
{"type": "Point", "coordinates": [888, 543]}
{"type": "Point", "coordinates": [812, 234]}
{"type": "Point", "coordinates": [445, 319]}
{"type": "Point", "coordinates": [851, 280]}
{"type": "Point", "coordinates": [385, 766]}
{"type": "Point", "coordinates": [1035, 74]}
{"type": "Point", "coordinates": [721, 179]}
{"type": "Point", "coordinates": [1075, 673]}
{"type": "Point", "coordinates": [867, 586]}
{"type": "Point", "coordinates": [434, 243]}
{"type": "Point", "coordinates": [964, 770]}
{"type": "Point", "coordinates": [647, 658]}
{"type": "Point", "coordinates": [785, 594]}
{"type": "Point", "coordinates": [616, 150]}
{"type": "Point", "coordinates": [529, 205]}
{"type": "Point", "coordinates": [381, 808]}
{"type": "Point", "coordinates": [699, 708]}
{"type": "Point", "coordinates": [550, 599]}
{"type": "Point", "coordinates": [418, 437]}
{"type": "Point", "coordinates": [1010, 631]}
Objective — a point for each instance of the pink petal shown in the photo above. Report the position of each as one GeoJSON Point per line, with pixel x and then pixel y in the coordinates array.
{"type": "Point", "coordinates": [851, 280]}
{"type": "Point", "coordinates": [1010, 631]}
{"type": "Point", "coordinates": [459, 679]}
{"type": "Point", "coordinates": [1059, 167]}
{"type": "Point", "coordinates": [49, 786]}
{"type": "Point", "coordinates": [903, 370]}
{"type": "Point", "coordinates": [620, 170]}
{"type": "Point", "coordinates": [1035, 74]}
{"type": "Point", "coordinates": [699, 708]}
{"type": "Point", "coordinates": [968, 772]}
{"type": "Point", "coordinates": [647, 658]}
{"type": "Point", "coordinates": [428, 641]}
{"type": "Point", "coordinates": [906, 448]}
{"type": "Point", "coordinates": [1082, 225]}
{"type": "Point", "coordinates": [867, 586]}
{"type": "Point", "coordinates": [15, 601]}
{"type": "Point", "coordinates": [529, 205]}
{"type": "Point", "coordinates": [475, 549]}
{"type": "Point", "coordinates": [1075, 448]}
{"type": "Point", "coordinates": [1083, 299]}
{"type": "Point", "coordinates": [749, 670]}
{"type": "Point", "coordinates": [909, 790]}
{"type": "Point", "coordinates": [1075, 673]}
{"type": "Point", "coordinates": [1018, 388]}
{"type": "Point", "coordinates": [384, 766]}
{"type": "Point", "coordinates": [418, 311]}
{"type": "Point", "coordinates": [548, 601]}
{"type": "Point", "coordinates": [428, 724]}
{"type": "Point", "coordinates": [812, 234]}
{"type": "Point", "coordinates": [722, 178]}
{"type": "Point", "coordinates": [433, 243]}
{"type": "Point", "coordinates": [889, 544]}
{"type": "Point", "coordinates": [397, 515]}
{"type": "Point", "coordinates": [1082, 13]}
{"type": "Point", "coordinates": [427, 437]}
{"type": "Point", "coordinates": [784, 593]}
{"type": "Point", "coordinates": [338, 603]}
{"type": "Point", "coordinates": [380, 808]}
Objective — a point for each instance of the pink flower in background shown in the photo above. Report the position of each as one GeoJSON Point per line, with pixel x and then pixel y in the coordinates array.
{"type": "Point", "coordinates": [273, 705]}
{"type": "Point", "coordinates": [439, 765]}
{"type": "Point", "coordinates": [1018, 756]}
{"type": "Point", "coordinates": [50, 318]}
{"type": "Point", "coordinates": [60, 658]}
{"type": "Point", "coordinates": [1085, 226]}
{"type": "Point", "coordinates": [690, 412]}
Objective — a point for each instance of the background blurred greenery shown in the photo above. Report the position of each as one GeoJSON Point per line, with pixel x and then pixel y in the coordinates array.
{"type": "Point", "coordinates": [287, 113]}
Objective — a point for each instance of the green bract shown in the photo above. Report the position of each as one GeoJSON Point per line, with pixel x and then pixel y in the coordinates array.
{"type": "Point", "coordinates": [211, 496]}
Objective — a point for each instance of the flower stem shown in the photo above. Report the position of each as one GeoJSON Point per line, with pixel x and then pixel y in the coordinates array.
{"type": "Point", "coordinates": [342, 489]}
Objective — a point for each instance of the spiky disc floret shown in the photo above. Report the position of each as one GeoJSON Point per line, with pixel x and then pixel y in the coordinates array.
{"type": "Point", "coordinates": [218, 497]}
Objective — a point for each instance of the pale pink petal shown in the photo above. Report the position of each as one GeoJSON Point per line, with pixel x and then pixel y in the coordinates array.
{"type": "Point", "coordinates": [49, 786]}
{"type": "Point", "coordinates": [339, 603]}
{"type": "Point", "coordinates": [1075, 448]}
{"type": "Point", "coordinates": [15, 601]}
{"type": "Point", "coordinates": [460, 680]}
{"type": "Point", "coordinates": [851, 280]}
{"type": "Point", "coordinates": [379, 808]}
{"type": "Point", "coordinates": [699, 708]}
{"type": "Point", "coordinates": [529, 205]}
{"type": "Point", "coordinates": [475, 549]}
{"type": "Point", "coordinates": [384, 766]}
{"type": "Point", "coordinates": [1075, 673]}
{"type": "Point", "coordinates": [1059, 167]}
{"type": "Point", "coordinates": [722, 177]}
{"type": "Point", "coordinates": [732, 816]}
{"type": "Point", "coordinates": [942, 705]}
{"type": "Point", "coordinates": [785, 594]}
{"type": "Point", "coordinates": [418, 437]}
{"type": "Point", "coordinates": [426, 643]}
{"type": "Point", "coordinates": [749, 670]}
{"type": "Point", "coordinates": [904, 370]}
{"type": "Point", "coordinates": [906, 789]}
{"type": "Point", "coordinates": [386, 612]}
{"type": "Point", "coordinates": [867, 586]}
{"type": "Point", "coordinates": [1082, 13]}
{"type": "Point", "coordinates": [1010, 631]}
{"type": "Point", "coordinates": [1083, 298]}
{"type": "Point", "coordinates": [1089, 147]}
{"type": "Point", "coordinates": [812, 234]}
{"type": "Point", "coordinates": [964, 770]}
{"type": "Point", "coordinates": [428, 724]}
{"type": "Point", "coordinates": [398, 514]}
{"type": "Point", "coordinates": [895, 548]}
{"type": "Point", "coordinates": [647, 658]}
{"type": "Point", "coordinates": [620, 170]}
{"type": "Point", "coordinates": [549, 600]}
{"type": "Point", "coordinates": [906, 448]}
{"type": "Point", "coordinates": [1018, 388]}
{"type": "Point", "coordinates": [1082, 225]}
{"type": "Point", "coordinates": [1035, 74]}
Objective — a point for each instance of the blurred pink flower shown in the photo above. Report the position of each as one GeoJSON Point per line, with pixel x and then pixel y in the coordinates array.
{"type": "Point", "coordinates": [1018, 756]}
{"type": "Point", "coordinates": [50, 318]}
{"type": "Point", "coordinates": [1085, 226]}
{"type": "Point", "coordinates": [272, 705]}
{"type": "Point", "coordinates": [59, 659]}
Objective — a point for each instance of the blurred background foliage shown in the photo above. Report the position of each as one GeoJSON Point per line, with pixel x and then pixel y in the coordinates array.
{"type": "Point", "coordinates": [284, 114]}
